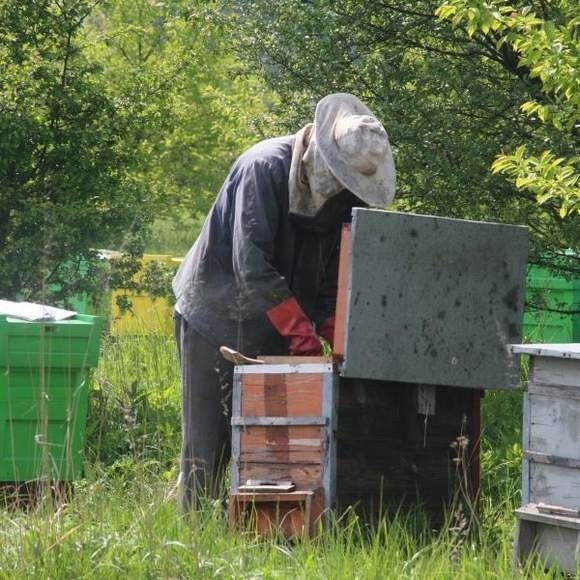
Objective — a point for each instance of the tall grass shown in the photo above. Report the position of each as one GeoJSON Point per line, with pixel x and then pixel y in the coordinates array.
{"type": "Point", "coordinates": [113, 530]}
{"type": "Point", "coordinates": [135, 405]}
{"type": "Point", "coordinates": [122, 520]}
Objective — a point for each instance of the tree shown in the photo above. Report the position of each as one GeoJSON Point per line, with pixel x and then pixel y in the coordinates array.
{"type": "Point", "coordinates": [450, 102]}
{"type": "Point", "coordinates": [65, 154]}
{"type": "Point", "coordinates": [545, 44]}
{"type": "Point", "coordinates": [112, 114]}
{"type": "Point", "coordinates": [181, 51]}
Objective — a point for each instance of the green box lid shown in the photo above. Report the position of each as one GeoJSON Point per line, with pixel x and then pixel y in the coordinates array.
{"type": "Point", "coordinates": [70, 343]}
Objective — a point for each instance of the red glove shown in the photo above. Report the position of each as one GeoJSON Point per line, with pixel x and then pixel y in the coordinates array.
{"type": "Point", "coordinates": [326, 330]}
{"type": "Point", "coordinates": [291, 321]}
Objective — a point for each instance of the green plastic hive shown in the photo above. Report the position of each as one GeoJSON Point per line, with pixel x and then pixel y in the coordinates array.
{"type": "Point", "coordinates": [44, 381]}
{"type": "Point", "coordinates": [554, 293]}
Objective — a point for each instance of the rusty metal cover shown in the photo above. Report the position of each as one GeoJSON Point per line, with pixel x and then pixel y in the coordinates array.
{"type": "Point", "coordinates": [434, 300]}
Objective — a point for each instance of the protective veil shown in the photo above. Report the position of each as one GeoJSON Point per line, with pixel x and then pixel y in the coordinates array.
{"type": "Point", "coordinates": [311, 183]}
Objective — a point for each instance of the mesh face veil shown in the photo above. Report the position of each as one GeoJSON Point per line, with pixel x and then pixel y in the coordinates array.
{"type": "Point", "coordinates": [322, 182]}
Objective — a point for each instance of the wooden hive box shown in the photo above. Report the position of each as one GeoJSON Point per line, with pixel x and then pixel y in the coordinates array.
{"type": "Point", "coordinates": [404, 446]}
{"type": "Point", "coordinates": [548, 523]}
{"type": "Point", "coordinates": [283, 418]}
{"type": "Point", "coordinates": [426, 309]}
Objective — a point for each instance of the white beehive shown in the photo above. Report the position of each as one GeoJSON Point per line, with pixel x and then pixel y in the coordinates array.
{"type": "Point", "coordinates": [549, 521]}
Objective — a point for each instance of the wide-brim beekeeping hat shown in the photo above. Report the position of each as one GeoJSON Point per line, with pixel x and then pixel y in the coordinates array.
{"type": "Point", "coordinates": [356, 148]}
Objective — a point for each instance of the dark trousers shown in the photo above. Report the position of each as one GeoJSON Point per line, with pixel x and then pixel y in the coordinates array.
{"type": "Point", "coordinates": [205, 421]}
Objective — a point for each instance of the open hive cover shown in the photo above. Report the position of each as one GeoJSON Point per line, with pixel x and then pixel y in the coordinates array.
{"type": "Point", "coordinates": [434, 300]}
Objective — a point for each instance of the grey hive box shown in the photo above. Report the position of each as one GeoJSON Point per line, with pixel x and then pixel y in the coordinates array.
{"type": "Point", "coordinates": [431, 300]}
{"type": "Point", "coordinates": [548, 523]}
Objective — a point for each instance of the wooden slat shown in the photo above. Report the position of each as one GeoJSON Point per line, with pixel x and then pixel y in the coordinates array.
{"type": "Point", "coordinates": [289, 455]}
{"type": "Point", "coordinates": [554, 391]}
{"type": "Point", "coordinates": [285, 369]}
{"type": "Point", "coordinates": [530, 512]}
{"type": "Point", "coordinates": [275, 497]}
{"type": "Point", "coordinates": [555, 425]}
{"type": "Point", "coordinates": [292, 514]}
{"type": "Point", "coordinates": [282, 395]}
{"type": "Point", "coordinates": [556, 371]}
{"type": "Point", "coordinates": [557, 545]}
{"type": "Point", "coordinates": [526, 445]}
{"type": "Point", "coordinates": [277, 421]}
{"type": "Point", "coordinates": [562, 350]}
{"type": "Point", "coordinates": [294, 360]}
{"type": "Point", "coordinates": [330, 409]}
{"type": "Point", "coordinates": [301, 438]}
{"type": "Point", "coordinates": [554, 484]}
{"type": "Point", "coordinates": [295, 444]}
{"type": "Point", "coordinates": [342, 295]}
{"type": "Point", "coordinates": [236, 410]}
{"type": "Point", "coordinates": [303, 475]}
{"type": "Point", "coordinates": [558, 510]}
{"type": "Point", "coordinates": [538, 457]}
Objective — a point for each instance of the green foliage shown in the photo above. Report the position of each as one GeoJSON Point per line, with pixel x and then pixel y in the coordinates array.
{"type": "Point", "coordinates": [115, 528]}
{"type": "Point", "coordinates": [544, 40]}
{"type": "Point", "coordinates": [501, 449]}
{"type": "Point", "coordinates": [65, 183]}
{"type": "Point", "coordinates": [169, 236]}
{"type": "Point", "coordinates": [547, 176]}
{"type": "Point", "coordinates": [206, 113]}
{"type": "Point", "coordinates": [450, 102]}
{"type": "Point", "coordinates": [112, 114]}
{"type": "Point", "coordinates": [123, 520]}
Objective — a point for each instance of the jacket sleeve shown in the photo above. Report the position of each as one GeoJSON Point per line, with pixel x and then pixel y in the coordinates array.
{"type": "Point", "coordinates": [256, 217]}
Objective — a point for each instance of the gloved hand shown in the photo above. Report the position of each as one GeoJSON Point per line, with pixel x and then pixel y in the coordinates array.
{"type": "Point", "coordinates": [326, 330]}
{"type": "Point", "coordinates": [290, 320]}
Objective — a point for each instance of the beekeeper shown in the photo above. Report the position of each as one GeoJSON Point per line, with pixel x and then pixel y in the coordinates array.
{"type": "Point", "coordinates": [262, 275]}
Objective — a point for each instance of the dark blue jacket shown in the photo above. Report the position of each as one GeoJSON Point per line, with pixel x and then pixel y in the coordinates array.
{"type": "Point", "coordinates": [252, 254]}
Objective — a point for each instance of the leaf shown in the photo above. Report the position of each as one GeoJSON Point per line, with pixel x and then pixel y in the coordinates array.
{"type": "Point", "coordinates": [500, 164]}
{"type": "Point", "coordinates": [445, 11]}
{"type": "Point", "coordinates": [529, 106]}
{"type": "Point", "coordinates": [544, 197]}
{"type": "Point", "coordinates": [522, 182]}
{"type": "Point", "coordinates": [543, 113]}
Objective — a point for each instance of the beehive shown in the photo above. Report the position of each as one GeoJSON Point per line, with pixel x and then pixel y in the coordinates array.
{"type": "Point", "coordinates": [426, 309]}
{"type": "Point", "coordinates": [402, 446]}
{"type": "Point", "coordinates": [44, 391]}
{"type": "Point", "coordinates": [549, 520]}
{"type": "Point", "coordinates": [283, 417]}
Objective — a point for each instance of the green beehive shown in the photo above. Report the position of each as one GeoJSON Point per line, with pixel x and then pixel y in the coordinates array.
{"type": "Point", "coordinates": [44, 376]}
{"type": "Point", "coordinates": [556, 293]}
